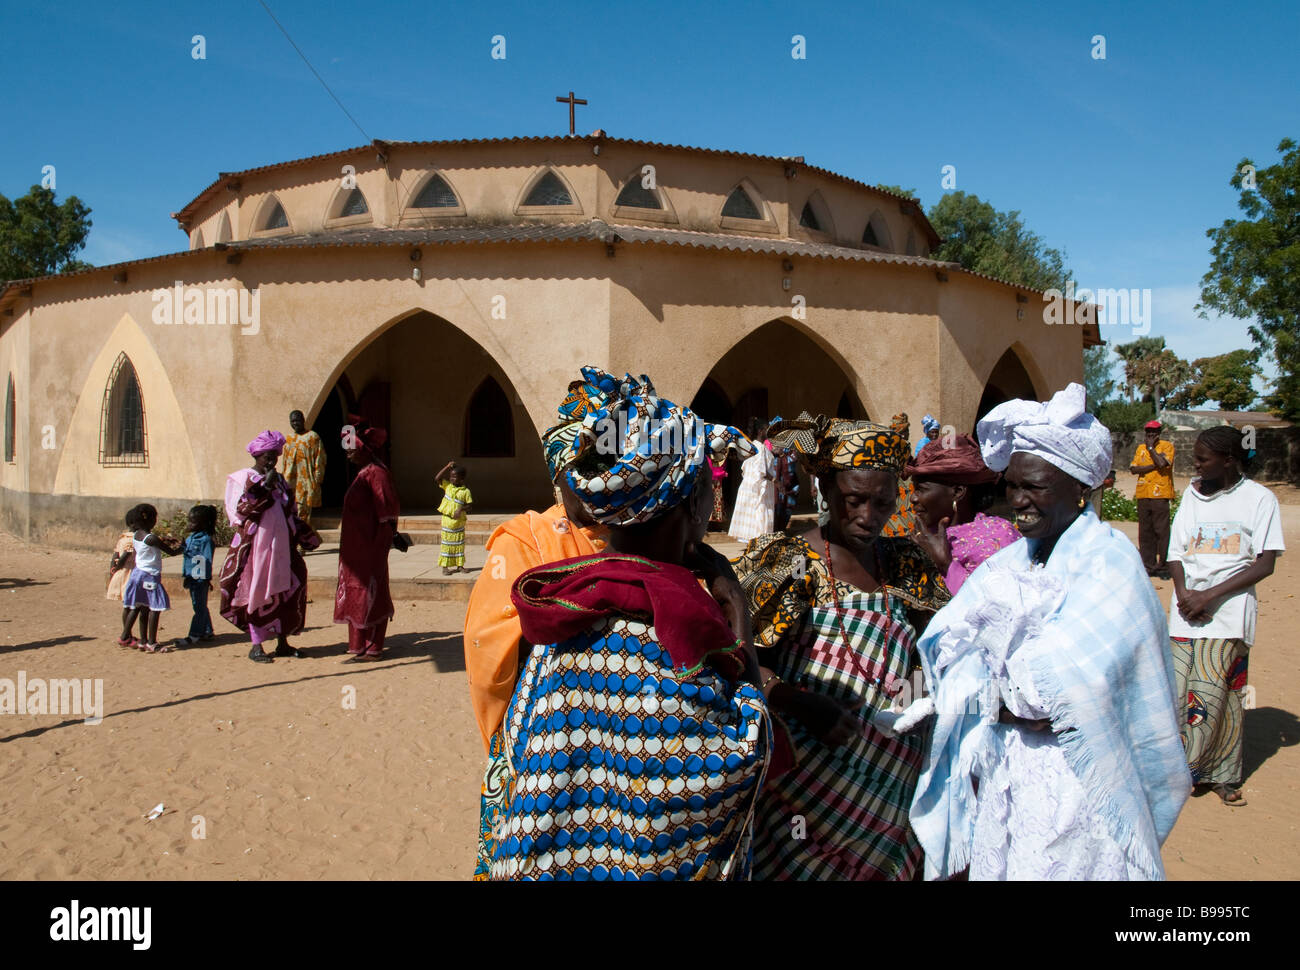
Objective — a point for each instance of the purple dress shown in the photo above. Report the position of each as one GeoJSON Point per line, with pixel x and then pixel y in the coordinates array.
{"type": "Point", "coordinates": [974, 542]}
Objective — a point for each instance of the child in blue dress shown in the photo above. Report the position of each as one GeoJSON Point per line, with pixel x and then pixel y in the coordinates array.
{"type": "Point", "coordinates": [197, 569]}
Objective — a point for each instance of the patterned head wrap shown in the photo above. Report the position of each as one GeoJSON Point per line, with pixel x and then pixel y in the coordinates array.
{"type": "Point", "coordinates": [1059, 431]}
{"type": "Point", "coordinates": [930, 425]}
{"type": "Point", "coordinates": [828, 445]}
{"type": "Point", "coordinates": [959, 465]}
{"type": "Point", "coordinates": [559, 443]}
{"type": "Point", "coordinates": [268, 441]}
{"type": "Point", "coordinates": [638, 455]}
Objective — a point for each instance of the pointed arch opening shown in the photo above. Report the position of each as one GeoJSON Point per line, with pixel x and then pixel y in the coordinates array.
{"type": "Point", "coordinates": [489, 423]}
{"type": "Point", "coordinates": [548, 193]}
{"type": "Point", "coordinates": [11, 421]}
{"type": "Point", "coordinates": [744, 208]}
{"type": "Point", "coordinates": [643, 199]}
{"type": "Point", "coordinates": [470, 413]}
{"type": "Point", "coordinates": [223, 228]}
{"type": "Point", "coordinates": [1008, 381]}
{"type": "Point", "coordinates": [348, 208]}
{"type": "Point", "coordinates": [815, 218]}
{"type": "Point", "coordinates": [196, 240]}
{"type": "Point", "coordinates": [432, 198]}
{"type": "Point", "coordinates": [877, 233]}
{"type": "Point", "coordinates": [271, 217]}
{"type": "Point", "coordinates": [777, 369]}
{"type": "Point", "coordinates": [123, 434]}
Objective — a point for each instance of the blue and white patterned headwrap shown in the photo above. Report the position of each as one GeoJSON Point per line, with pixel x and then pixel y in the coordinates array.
{"type": "Point", "coordinates": [637, 455]}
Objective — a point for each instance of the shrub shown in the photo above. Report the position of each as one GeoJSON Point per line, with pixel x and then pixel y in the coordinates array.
{"type": "Point", "coordinates": [175, 525]}
{"type": "Point", "coordinates": [1125, 415]}
{"type": "Point", "coordinates": [1118, 507]}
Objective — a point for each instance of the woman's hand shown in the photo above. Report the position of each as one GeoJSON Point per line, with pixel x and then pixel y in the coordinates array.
{"type": "Point", "coordinates": [935, 544]}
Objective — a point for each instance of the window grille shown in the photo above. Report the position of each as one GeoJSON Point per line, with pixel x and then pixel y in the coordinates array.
{"type": "Point", "coordinates": [123, 436]}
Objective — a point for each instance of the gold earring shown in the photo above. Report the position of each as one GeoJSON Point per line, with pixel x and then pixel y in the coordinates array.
{"type": "Point", "coordinates": [1083, 501]}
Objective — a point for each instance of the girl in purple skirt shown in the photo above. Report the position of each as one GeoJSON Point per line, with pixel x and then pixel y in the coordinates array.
{"type": "Point", "coordinates": [144, 592]}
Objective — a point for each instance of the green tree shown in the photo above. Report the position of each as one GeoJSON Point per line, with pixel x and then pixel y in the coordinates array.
{"type": "Point", "coordinates": [39, 237]}
{"type": "Point", "coordinates": [1155, 371]}
{"type": "Point", "coordinates": [1227, 378]}
{"type": "Point", "coordinates": [985, 240]}
{"type": "Point", "coordinates": [1098, 371]}
{"type": "Point", "coordinates": [1255, 268]}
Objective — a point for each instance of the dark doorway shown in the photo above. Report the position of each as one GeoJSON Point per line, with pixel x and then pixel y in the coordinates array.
{"type": "Point", "coordinates": [329, 425]}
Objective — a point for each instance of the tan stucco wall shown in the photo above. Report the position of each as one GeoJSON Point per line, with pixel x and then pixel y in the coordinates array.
{"type": "Point", "coordinates": [530, 314]}
{"type": "Point", "coordinates": [490, 181]}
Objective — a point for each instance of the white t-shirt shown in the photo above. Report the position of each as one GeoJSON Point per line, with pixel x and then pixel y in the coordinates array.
{"type": "Point", "coordinates": [1218, 536]}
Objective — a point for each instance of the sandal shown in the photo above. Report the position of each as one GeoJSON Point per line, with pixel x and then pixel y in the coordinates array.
{"type": "Point", "coordinates": [1226, 795]}
{"type": "Point", "coordinates": [258, 655]}
{"type": "Point", "coordinates": [288, 651]}
{"type": "Point", "coordinates": [127, 641]}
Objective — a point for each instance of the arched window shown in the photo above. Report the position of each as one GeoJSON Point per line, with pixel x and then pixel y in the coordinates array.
{"type": "Point", "coordinates": [911, 243]}
{"type": "Point", "coordinates": [354, 205]}
{"type": "Point", "coordinates": [11, 420]}
{"type": "Point", "coordinates": [548, 190]}
{"type": "Point", "coordinates": [196, 241]}
{"type": "Point", "coordinates": [877, 232]}
{"type": "Point", "coordinates": [808, 219]}
{"type": "Point", "coordinates": [123, 439]}
{"type": "Point", "coordinates": [275, 217]}
{"type": "Point", "coordinates": [740, 206]}
{"type": "Point", "coordinates": [489, 423]}
{"type": "Point", "coordinates": [223, 228]}
{"type": "Point", "coordinates": [436, 194]}
{"type": "Point", "coordinates": [637, 196]}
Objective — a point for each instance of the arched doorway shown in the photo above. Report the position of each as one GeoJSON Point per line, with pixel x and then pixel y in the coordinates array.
{"type": "Point", "coordinates": [777, 370]}
{"type": "Point", "coordinates": [428, 383]}
{"type": "Point", "coordinates": [1009, 380]}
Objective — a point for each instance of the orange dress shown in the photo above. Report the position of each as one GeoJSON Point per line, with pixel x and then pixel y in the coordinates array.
{"type": "Point", "coordinates": [491, 623]}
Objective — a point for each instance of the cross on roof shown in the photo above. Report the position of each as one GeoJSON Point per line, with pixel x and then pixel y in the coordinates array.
{"type": "Point", "coordinates": [571, 101]}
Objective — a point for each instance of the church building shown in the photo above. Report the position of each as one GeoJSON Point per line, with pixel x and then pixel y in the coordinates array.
{"type": "Point", "coordinates": [450, 291]}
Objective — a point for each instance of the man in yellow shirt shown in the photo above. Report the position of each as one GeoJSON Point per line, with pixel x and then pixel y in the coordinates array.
{"type": "Point", "coordinates": [1153, 463]}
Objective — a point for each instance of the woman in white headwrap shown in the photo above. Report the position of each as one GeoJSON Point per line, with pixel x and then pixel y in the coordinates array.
{"type": "Point", "coordinates": [1055, 752]}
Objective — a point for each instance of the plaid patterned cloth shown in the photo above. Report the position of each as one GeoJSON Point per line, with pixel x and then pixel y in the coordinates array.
{"type": "Point", "coordinates": [842, 812]}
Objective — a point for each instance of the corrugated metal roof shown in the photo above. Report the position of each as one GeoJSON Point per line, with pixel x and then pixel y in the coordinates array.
{"type": "Point", "coordinates": [540, 139]}
{"type": "Point", "coordinates": [592, 230]}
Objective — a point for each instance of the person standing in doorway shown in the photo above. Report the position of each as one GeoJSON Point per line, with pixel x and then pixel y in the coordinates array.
{"type": "Point", "coordinates": [303, 465]}
{"type": "Point", "coordinates": [1153, 463]}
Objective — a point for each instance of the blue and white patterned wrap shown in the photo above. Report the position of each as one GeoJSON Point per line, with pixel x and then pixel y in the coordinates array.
{"type": "Point", "coordinates": [621, 771]}
{"type": "Point", "coordinates": [652, 450]}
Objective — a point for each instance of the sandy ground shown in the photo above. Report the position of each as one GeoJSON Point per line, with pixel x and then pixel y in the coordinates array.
{"type": "Point", "coordinates": [284, 780]}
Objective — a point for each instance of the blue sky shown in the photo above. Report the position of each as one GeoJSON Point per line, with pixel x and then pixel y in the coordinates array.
{"type": "Point", "coordinates": [1122, 162]}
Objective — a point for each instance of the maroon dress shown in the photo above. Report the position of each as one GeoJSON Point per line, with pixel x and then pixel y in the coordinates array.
{"type": "Point", "coordinates": [370, 510]}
